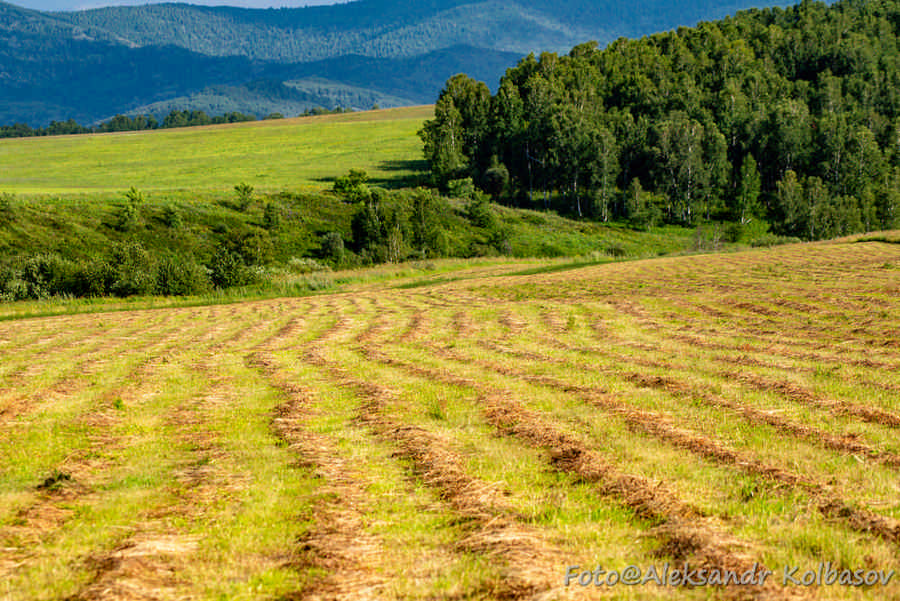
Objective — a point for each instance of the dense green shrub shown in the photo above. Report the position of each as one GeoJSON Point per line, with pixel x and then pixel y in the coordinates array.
{"type": "Point", "coordinates": [353, 186]}
{"type": "Point", "coordinates": [495, 180]}
{"type": "Point", "coordinates": [135, 272]}
{"type": "Point", "coordinates": [47, 275]}
{"type": "Point", "coordinates": [127, 217]}
{"type": "Point", "coordinates": [171, 216]}
{"type": "Point", "coordinates": [12, 288]}
{"type": "Point", "coordinates": [333, 247]}
{"type": "Point", "coordinates": [244, 194]}
{"type": "Point", "coordinates": [92, 278]}
{"type": "Point", "coordinates": [251, 245]}
{"type": "Point", "coordinates": [180, 276]}
{"type": "Point", "coordinates": [272, 216]}
{"type": "Point", "coordinates": [368, 227]}
{"type": "Point", "coordinates": [227, 269]}
{"type": "Point", "coordinates": [134, 196]}
{"type": "Point", "coordinates": [305, 265]}
{"type": "Point", "coordinates": [480, 214]}
{"type": "Point", "coordinates": [461, 188]}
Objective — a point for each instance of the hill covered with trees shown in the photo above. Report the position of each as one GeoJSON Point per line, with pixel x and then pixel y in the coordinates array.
{"type": "Point", "coordinates": [391, 28]}
{"type": "Point", "coordinates": [91, 65]}
{"type": "Point", "coordinates": [790, 116]}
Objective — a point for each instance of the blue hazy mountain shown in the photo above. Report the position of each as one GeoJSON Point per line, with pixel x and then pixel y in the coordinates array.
{"type": "Point", "coordinates": [90, 65]}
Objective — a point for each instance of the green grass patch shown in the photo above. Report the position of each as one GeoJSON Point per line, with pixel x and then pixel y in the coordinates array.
{"type": "Point", "coordinates": [300, 154]}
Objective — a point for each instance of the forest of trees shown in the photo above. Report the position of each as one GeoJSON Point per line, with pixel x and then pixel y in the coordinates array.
{"type": "Point", "coordinates": [140, 122]}
{"type": "Point", "coordinates": [786, 116]}
{"type": "Point", "coordinates": [124, 123]}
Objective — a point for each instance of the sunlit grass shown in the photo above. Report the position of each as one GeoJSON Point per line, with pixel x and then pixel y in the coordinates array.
{"type": "Point", "coordinates": [303, 153]}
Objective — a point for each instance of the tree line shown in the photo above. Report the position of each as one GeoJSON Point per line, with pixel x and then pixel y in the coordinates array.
{"type": "Point", "coordinates": [175, 118]}
{"type": "Point", "coordinates": [783, 116]}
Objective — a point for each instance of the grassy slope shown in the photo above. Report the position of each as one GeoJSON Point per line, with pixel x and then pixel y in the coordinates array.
{"type": "Point", "coordinates": [302, 153]}
{"type": "Point", "coordinates": [464, 439]}
{"type": "Point", "coordinates": [69, 189]}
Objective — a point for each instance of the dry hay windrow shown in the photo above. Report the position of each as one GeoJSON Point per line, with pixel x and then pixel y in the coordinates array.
{"type": "Point", "coordinates": [494, 529]}
{"type": "Point", "coordinates": [729, 355]}
{"type": "Point", "coordinates": [202, 484]}
{"type": "Point", "coordinates": [512, 324]}
{"type": "Point", "coordinates": [682, 529]}
{"type": "Point", "coordinates": [265, 316]}
{"type": "Point", "coordinates": [418, 322]}
{"type": "Point", "coordinates": [81, 471]}
{"type": "Point", "coordinates": [725, 353]}
{"type": "Point", "coordinates": [462, 326]}
{"type": "Point", "coordinates": [828, 328]}
{"type": "Point", "coordinates": [694, 336]}
{"type": "Point", "coordinates": [338, 543]}
{"type": "Point", "coordinates": [148, 562]}
{"type": "Point", "coordinates": [87, 349]}
{"type": "Point", "coordinates": [43, 343]}
{"type": "Point", "coordinates": [659, 426]}
{"type": "Point", "coordinates": [775, 343]}
{"type": "Point", "coordinates": [74, 480]}
{"type": "Point", "coordinates": [354, 559]}
{"type": "Point", "coordinates": [845, 443]}
{"type": "Point", "coordinates": [379, 324]}
{"type": "Point", "coordinates": [804, 396]}
{"type": "Point", "coordinates": [141, 568]}
{"type": "Point", "coordinates": [75, 377]}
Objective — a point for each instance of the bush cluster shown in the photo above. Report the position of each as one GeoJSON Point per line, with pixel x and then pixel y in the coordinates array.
{"type": "Point", "coordinates": [127, 270]}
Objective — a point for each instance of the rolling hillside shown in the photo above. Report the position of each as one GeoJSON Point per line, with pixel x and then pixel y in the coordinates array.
{"type": "Point", "coordinates": [387, 28]}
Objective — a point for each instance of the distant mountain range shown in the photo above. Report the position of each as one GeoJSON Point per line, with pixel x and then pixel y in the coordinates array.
{"type": "Point", "coordinates": [91, 65]}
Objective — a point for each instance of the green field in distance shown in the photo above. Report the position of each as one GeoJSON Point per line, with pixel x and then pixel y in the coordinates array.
{"type": "Point", "coordinates": [300, 153]}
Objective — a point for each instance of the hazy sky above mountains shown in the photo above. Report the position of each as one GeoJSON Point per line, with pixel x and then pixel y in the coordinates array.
{"type": "Point", "coordinates": [51, 5]}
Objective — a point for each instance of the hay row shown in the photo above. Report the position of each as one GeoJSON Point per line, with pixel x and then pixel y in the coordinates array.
{"type": "Point", "coordinates": [682, 529]}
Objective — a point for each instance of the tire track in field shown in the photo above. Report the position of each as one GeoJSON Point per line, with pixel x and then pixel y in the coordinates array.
{"type": "Point", "coordinates": [495, 530]}
{"type": "Point", "coordinates": [682, 529]}
{"type": "Point", "coordinates": [660, 427]}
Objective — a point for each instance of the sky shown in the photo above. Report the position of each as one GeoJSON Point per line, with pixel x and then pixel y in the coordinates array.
{"type": "Point", "coordinates": [56, 5]}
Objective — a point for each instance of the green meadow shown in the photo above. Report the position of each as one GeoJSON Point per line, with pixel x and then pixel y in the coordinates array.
{"type": "Point", "coordinates": [305, 153]}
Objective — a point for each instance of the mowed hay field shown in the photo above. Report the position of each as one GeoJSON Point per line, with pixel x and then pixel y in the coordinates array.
{"type": "Point", "coordinates": [300, 153]}
{"type": "Point", "coordinates": [470, 439]}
